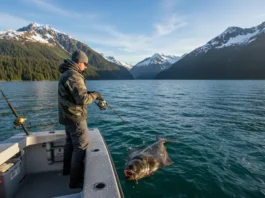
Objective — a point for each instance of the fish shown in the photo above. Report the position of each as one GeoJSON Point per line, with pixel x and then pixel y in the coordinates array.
{"type": "Point", "coordinates": [144, 161]}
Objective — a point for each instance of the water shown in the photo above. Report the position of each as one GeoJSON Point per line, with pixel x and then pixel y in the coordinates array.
{"type": "Point", "coordinates": [219, 127]}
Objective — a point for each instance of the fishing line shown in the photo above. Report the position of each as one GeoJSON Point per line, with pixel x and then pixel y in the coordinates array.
{"type": "Point", "coordinates": [117, 114]}
{"type": "Point", "coordinates": [102, 105]}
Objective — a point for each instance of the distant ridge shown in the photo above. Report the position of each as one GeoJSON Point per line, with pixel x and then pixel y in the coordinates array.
{"type": "Point", "coordinates": [151, 66]}
{"type": "Point", "coordinates": [19, 44]}
{"type": "Point", "coordinates": [236, 53]}
{"type": "Point", "coordinates": [114, 60]}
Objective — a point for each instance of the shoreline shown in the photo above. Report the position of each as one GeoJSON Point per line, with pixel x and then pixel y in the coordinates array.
{"type": "Point", "coordinates": [2, 81]}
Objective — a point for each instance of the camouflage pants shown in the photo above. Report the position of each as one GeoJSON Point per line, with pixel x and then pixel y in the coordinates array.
{"type": "Point", "coordinates": [74, 152]}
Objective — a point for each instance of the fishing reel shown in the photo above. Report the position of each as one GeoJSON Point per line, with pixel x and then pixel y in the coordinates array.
{"type": "Point", "coordinates": [19, 121]}
{"type": "Point", "coordinates": [102, 104]}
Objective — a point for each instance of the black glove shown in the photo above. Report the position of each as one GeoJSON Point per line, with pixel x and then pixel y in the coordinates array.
{"type": "Point", "coordinates": [99, 96]}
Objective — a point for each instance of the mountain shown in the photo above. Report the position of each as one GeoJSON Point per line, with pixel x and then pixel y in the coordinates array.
{"type": "Point", "coordinates": [44, 39]}
{"type": "Point", "coordinates": [150, 67]}
{"type": "Point", "coordinates": [237, 53]}
{"type": "Point", "coordinates": [114, 60]}
{"type": "Point", "coordinates": [29, 61]}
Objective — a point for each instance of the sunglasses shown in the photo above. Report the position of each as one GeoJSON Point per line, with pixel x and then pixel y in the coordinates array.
{"type": "Point", "coordinates": [86, 64]}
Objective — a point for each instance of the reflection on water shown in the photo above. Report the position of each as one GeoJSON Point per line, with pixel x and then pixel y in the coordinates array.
{"type": "Point", "coordinates": [35, 100]}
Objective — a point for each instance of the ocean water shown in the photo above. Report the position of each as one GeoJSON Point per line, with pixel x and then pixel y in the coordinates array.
{"type": "Point", "coordinates": [219, 127]}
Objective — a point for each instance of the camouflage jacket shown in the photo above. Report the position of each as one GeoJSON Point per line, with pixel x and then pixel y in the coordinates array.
{"type": "Point", "coordinates": [73, 97]}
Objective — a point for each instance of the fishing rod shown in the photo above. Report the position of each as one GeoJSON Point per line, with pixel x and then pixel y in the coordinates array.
{"type": "Point", "coordinates": [116, 113]}
{"type": "Point", "coordinates": [102, 104]}
{"type": "Point", "coordinates": [19, 121]}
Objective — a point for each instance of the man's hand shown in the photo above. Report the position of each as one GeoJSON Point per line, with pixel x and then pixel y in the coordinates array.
{"type": "Point", "coordinates": [99, 97]}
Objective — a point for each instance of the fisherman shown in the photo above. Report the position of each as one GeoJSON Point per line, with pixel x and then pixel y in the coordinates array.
{"type": "Point", "coordinates": [73, 99]}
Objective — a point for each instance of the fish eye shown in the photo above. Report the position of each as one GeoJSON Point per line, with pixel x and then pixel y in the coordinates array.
{"type": "Point", "coordinates": [130, 167]}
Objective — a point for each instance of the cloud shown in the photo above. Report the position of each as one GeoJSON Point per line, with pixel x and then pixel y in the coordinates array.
{"type": "Point", "coordinates": [126, 50]}
{"type": "Point", "coordinates": [259, 17]}
{"type": "Point", "coordinates": [49, 7]}
{"type": "Point", "coordinates": [110, 36]}
{"type": "Point", "coordinates": [8, 21]}
{"type": "Point", "coordinates": [169, 4]}
{"type": "Point", "coordinates": [110, 40]}
{"type": "Point", "coordinates": [52, 8]}
{"type": "Point", "coordinates": [170, 25]}
{"type": "Point", "coordinates": [130, 47]}
{"type": "Point", "coordinates": [174, 30]}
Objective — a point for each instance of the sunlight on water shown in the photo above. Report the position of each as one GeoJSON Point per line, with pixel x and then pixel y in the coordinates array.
{"type": "Point", "coordinates": [219, 127]}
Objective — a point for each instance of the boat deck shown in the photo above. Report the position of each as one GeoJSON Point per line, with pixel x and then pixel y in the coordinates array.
{"type": "Point", "coordinates": [37, 162]}
{"type": "Point", "coordinates": [46, 185]}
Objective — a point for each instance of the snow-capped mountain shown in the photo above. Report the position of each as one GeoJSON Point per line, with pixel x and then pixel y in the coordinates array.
{"type": "Point", "coordinates": [150, 67]}
{"type": "Point", "coordinates": [114, 60]}
{"type": "Point", "coordinates": [232, 36]}
{"type": "Point", "coordinates": [50, 37]}
{"type": "Point", "coordinates": [236, 53]}
{"type": "Point", "coordinates": [159, 59]}
{"type": "Point", "coordinates": [37, 33]}
{"type": "Point", "coordinates": [15, 35]}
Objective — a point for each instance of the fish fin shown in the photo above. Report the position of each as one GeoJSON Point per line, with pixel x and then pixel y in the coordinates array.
{"type": "Point", "coordinates": [168, 162]}
{"type": "Point", "coordinates": [164, 139]}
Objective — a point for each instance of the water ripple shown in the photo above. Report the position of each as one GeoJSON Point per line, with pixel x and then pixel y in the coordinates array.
{"type": "Point", "coordinates": [219, 127]}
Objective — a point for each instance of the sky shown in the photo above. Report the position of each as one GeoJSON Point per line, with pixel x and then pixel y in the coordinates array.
{"type": "Point", "coordinates": [132, 30]}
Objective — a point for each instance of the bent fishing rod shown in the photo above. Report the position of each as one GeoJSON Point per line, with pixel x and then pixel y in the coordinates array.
{"type": "Point", "coordinates": [19, 121]}
{"type": "Point", "coordinates": [102, 104]}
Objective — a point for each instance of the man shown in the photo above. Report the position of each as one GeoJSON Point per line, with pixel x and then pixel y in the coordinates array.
{"type": "Point", "coordinates": [72, 103]}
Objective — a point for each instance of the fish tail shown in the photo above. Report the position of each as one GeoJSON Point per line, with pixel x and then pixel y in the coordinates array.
{"type": "Point", "coordinates": [159, 138]}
